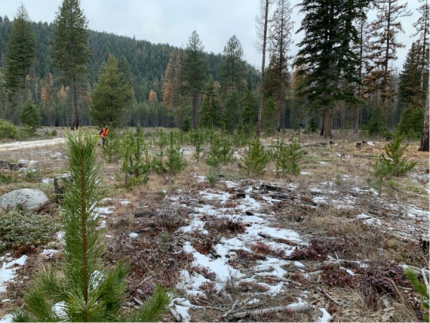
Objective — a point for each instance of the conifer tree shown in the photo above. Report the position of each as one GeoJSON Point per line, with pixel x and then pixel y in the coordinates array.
{"type": "Point", "coordinates": [422, 31]}
{"type": "Point", "coordinates": [170, 85]}
{"type": "Point", "coordinates": [20, 54]}
{"type": "Point", "coordinates": [30, 116]}
{"type": "Point", "coordinates": [326, 56]}
{"type": "Point", "coordinates": [209, 117]}
{"type": "Point", "coordinates": [86, 291]}
{"type": "Point", "coordinates": [69, 50]}
{"type": "Point", "coordinates": [279, 46]}
{"type": "Point", "coordinates": [175, 157]}
{"type": "Point", "coordinates": [192, 72]}
{"type": "Point", "coordinates": [110, 96]}
{"type": "Point", "coordinates": [231, 112]}
{"type": "Point", "coordinates": [383, 49]}
{"type": "Point", "coordinates": [249, 110]}
{"type": "Point", "coordinates": [255, 159]}
{"type": "Point", "coordinates": [232, 72]}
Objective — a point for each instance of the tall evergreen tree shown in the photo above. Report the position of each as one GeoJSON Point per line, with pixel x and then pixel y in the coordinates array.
{"type": "Point", "coordinates": [422, 27]}
{"type": "Point", "coordinates": [279, 46]}
{"type": "Point", "coordinates": [409, 92]}
{"type": "Point", "coordinates": [193, 72]}
{"type": "Point", "coordinates": [209, 116]}
{"type": "Point", "coordinates": [232, 73]}
{"type": "Point", "coordinates": [262, 21]}
{"type": "Point", "coordinates": [383, 48]}
{"type": "Point", "coordinates": [326, 57]}
{"type": "Point", "coordinates": [170, 84]}
{"type": "Point", "coordinates": [110, 96]}
{"type": "Point", "coordinates": [20, 55]}
{"type": "Point", "coordinates": [69, 50]}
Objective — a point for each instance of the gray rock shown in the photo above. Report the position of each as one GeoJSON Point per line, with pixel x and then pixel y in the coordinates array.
{"type": "Point", "coordinates": [26, 197]}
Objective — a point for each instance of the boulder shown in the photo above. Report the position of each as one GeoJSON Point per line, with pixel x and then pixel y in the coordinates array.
{"type": "Point", "coordinates": [26, 197]}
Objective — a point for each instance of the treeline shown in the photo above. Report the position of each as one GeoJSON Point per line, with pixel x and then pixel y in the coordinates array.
{"type": "Point", "coordinates": [342, 77]}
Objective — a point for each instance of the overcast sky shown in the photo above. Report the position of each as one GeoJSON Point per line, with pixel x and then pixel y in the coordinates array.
{"type": "Point", "coordinates": [172, 21]}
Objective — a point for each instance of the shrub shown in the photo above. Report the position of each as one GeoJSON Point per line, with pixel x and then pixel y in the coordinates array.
{"type": "Point", "coordinates": [54, 133]}
{"type": "Point", "coordinates": [7, 130]}
{"type": "Point", "coordinates": [22, 228]}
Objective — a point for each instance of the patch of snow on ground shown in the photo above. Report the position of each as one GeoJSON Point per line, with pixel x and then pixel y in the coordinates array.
{"type": "Point", "coordinates": [298, 264]}
{"type": "Point", "coordinates": [49, 253]}
{"type": "Point", "coordinates": [47, 180]}
{"type": "Point", "coordinates": [190, 284]}
{"type": "Point", "coordinates": [182, 309]}
{"type": "Point", "coordinates": [59, 310]}
{"type": "Point", "coordinates": [8, 270]}
{"type": "Point", "coordinates": [230, 184]}
{"type": "Point", "coordinates": [7, 318]}
{"type": "Point", "coordinates": [326, 316]}
{"type": "Point", "coordinates": [305, 173]}
{"type": "Point", "coordinates": [133, 235]}
{"type": "Point", "coordinates": [319, 200]}
{"type": "Point", "coordinates": [195, 225]}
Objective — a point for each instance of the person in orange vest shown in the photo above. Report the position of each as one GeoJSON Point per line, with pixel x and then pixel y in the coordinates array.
{"type": "Point", "coordinates": [103, 133]}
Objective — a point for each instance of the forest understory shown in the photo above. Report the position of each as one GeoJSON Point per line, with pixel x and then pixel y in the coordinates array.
{"type": "Point", "coordinates": [319, 246]}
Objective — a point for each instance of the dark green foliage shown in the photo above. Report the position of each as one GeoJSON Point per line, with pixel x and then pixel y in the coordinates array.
{"type": "Point", "coordinates": [232, 71]}
{"type": "Point", "coordinates": [21, 228]}
{"type": "Point", "coordinates": [209, 117]}
{"type": "Point", "coordinates": [380, 175]}
{"type": "Point", "coordinates": [241, 137]}
{"type": "Point", "coordinates": [110, 96]}
{"type": "Point", "coordinates": [231, 112]}
{"type": "Point", "coordinates": [20, 54]}
{"type": "Point", "coordinates": [377, 124]}
{"type": "Point", "coordinates": [69, 51]}
{"type": "Point", "coordinates": [7, 130]}
{"type": "Point", "coordinates": [175, 158]}
{"type": "Point", "coordinates": [249, 110]}
{"type": "Point", "coordinates": [30, 116]}
{"type": "Point", "coordinates": [4, 179]}
{"type": "Point", "coordinates": [111, 150]}
{"type": "Point", "coordinates": [256, 158]}
{"type": "Point", "coordinates": [287, 157]}
{"type": "Point", "coordinates": [158, 162]}
{"type": "Point", "coordinates": [326, 58]}
{"type": "Point", "coordinates": [421, 289]}
{"type": "Point", "coordinates": [192, 72]}
{"type": "Point", "coordinates": [220, 153]}
{"type": "Point", "coordinates": [411, 122]}
{"type": "Point", "coordinates": [150, 311]}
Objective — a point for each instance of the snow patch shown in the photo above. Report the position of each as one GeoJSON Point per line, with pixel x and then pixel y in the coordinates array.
{"type": "Point", "coordinates": [8, 270]}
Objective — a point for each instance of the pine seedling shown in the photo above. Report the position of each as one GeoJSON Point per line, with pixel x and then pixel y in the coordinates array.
{"type": "Point", "coordinates": [287, 157]}
{"type": "Point", "coordinates": [111, 150]}
{"type": "Point", "coordinates": [395, 152]}
{"type": "Point", "coordinates": [158, 163]}
{"type": "Point", "coordinates": [421, 289]}
{"type": "Point", "coordinates": [227, 151]}
{"type": "Point", "coordinates": [197, 140]}
{"type": "Point", "coordinates": [381, 174]}
{"type": "Point", "coordinates": [256, 158]}
{"type": "Point", "coordinates": [175, 158]}
{"type": "Point", "coordinates": [126, 154]}
{"type": "Point", "coordinates": [85, 291]}
{"type": "Point", "coordinates": [214, 158]}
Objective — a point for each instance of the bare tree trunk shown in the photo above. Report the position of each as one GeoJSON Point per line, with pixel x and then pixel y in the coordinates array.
{"type": "Point", "coordinates": [425, 135]}
{"type": "Point", "coordinates": [327, 123]}
{"type": "Point", "coordinates": [322, 122]}
{"type": "Point", "coordinates": [195, 110]}
{"type": "Point", "coordinates": [263, 63]}
{"type": "Point", "coordinates": [279, 113]}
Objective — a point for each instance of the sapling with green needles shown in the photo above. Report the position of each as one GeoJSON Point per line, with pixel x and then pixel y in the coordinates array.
{"type": "Point", "coordinates": [84, 289]}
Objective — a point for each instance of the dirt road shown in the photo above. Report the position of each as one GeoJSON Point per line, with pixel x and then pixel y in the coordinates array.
{"type": "Point", "coordinates": [30, 144]}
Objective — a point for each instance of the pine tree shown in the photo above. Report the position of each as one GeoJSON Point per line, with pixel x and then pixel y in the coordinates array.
{"type": "Point", "coordinates": [231, 112]}
{"type": "Point", "coordinates": [326, 57]}
{"type": "Point", "coordinates": [175, 158]}
{"type": "Point", "coordinates": [170, 88]}
{"type": "Point", "coordinates": [30, 116]}
{"type": "Point", "coordinates": [256, 158]}
{"type": "Point", "coordinates": [249, 110]}
{"type": "Point", "coordinates": [69, 50]}
{"type": "Point", "coordinates": [279, 46]}
{"type": "Point", "coordinates": [287, 157]}
{"type": "Point", "coordinates": [209, 116]}
{"type": "Point", "coordinates": [421, 289]}
{"type": "Point", "coordinates": [47, 98]}
{"type": "Point", "coordinates": [422, 27]}
{"type": "Point", "coordinates": [20, 54]}
{"type": "Point", "coordinates": [85, 291]}
{"type": "Point", "coordinates": [110, 96]}
{"type": "Point", "coordinates": [192, 72]}
{"type": "Point", "coordinates": [409, 92]}
{"type": "Point", "coordinates": [383, 49]}
{"type": "Point", "coordinates": [232, 72]}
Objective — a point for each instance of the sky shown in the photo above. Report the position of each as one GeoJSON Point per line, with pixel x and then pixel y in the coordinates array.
{"type": "Point", "coordinates": [173, 21]}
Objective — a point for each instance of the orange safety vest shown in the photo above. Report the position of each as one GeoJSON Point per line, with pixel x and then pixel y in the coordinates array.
{"type": "Point", "coordinates": [104, 132]}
